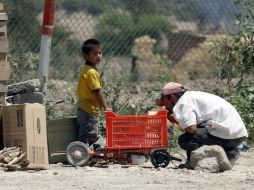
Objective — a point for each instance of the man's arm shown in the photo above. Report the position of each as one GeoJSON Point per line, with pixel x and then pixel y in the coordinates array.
{"type": "Point", "coordinates": [191, 129]}
{"type": "Point", "coordinates": [171, 118]}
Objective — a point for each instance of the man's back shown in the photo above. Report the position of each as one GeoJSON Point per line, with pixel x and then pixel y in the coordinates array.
{"type": "Point", "coordinates": [196, 107]}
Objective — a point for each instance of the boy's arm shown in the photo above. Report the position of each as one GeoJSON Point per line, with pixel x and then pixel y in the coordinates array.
{"type": "Point", "coordinates": [102, 100]}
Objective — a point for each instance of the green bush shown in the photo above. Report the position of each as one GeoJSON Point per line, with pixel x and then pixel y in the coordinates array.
{"type": "Point", "coordinates": [235, 58]}
{"type": "Point", "coordinates": [244, 103]}
{"type": "Point", "coordinates": [23, 66]}
{"type": "Point", "coordinates": [235, 54]}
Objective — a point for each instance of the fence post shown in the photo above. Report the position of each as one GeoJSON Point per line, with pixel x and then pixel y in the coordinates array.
{"type": "Point", "coordinates": [46, 38]}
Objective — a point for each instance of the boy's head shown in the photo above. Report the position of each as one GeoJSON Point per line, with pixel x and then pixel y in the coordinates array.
{"type": "Point", "coordinates": [92, 52]}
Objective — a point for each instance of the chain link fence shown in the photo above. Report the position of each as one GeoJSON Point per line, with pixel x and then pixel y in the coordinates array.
{"type": "Point", "coordinates": [140, 38]}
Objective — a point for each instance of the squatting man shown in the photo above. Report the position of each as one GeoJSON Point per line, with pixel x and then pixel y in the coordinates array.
{"type": "Point", "coordinates": [206, 119]}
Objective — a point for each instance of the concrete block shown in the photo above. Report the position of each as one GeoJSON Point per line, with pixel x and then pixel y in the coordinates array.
{"type": "Point", "coordinates": [2, 98]}
{"type": "Point", "coordinates": [3, 29]}
{"type": "Point", "coordinates": [30, 97]}
{"type": "Point", "coordinates": [4, 45]}
{"type": "Point", "coordinates": [5, 71]}
{"type": "Point", "coordinates": [3, 56]}
{"type": "Point", "coordinates": [3, 16]}
{"type": "Point", "coordinates": [3, 86]}
{"type": "Point", "coordinates": [25, 86]}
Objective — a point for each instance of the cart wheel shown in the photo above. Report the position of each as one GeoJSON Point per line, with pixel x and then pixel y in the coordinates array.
{"type": "Point", "coordinates": [160, 158]}
{"type": "Point", "coordinates": [77, 154]}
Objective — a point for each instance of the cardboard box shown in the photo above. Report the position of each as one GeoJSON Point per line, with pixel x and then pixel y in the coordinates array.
{"type": "Point", "coordinates": [61, 132]}
{"type": "Point", "coordinates": [5, 70]}
{"type": "Point", "coordinates": [24, 126]}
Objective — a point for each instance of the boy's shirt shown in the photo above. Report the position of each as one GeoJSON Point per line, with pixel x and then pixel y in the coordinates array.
{"type": "Point", "coordinates": [89, 79]}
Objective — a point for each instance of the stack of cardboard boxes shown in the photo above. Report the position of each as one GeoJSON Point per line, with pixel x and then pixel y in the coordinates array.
{"type": "Point", "coordinates": [22, 125]}
{"type": "Point", "coordinates": [4, 47]}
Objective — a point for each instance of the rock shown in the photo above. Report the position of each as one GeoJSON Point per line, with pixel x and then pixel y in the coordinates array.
{"type": "Point", "coordinates": [30, 97]}
{"type": "Point", "coordinates": [199, 158]}
{"type": "Point", "coordinates": [25, 92]}
{"type": "Point", "coordinates": [24, 87]}
{"type": "Point", "coordinates": [208, 164]}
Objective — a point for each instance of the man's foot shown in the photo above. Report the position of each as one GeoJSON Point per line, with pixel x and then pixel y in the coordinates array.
{"type": "Point", "coordinates": [234, 158]}
{"type": "Point", "coordinates": [187, 165]}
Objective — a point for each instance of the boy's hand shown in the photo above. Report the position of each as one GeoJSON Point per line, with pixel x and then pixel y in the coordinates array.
{"type": "Point", "coordinates": [108, 109]}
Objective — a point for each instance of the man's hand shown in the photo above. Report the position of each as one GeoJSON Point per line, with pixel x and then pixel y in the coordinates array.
{"type": "Point", "coordinates": [191, 129]}
{"type": "Point", "coordinates": [171, 118]}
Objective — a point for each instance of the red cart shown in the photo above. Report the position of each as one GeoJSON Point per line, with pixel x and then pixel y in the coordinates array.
{"type": "Point", "coordinates": [143, 135]}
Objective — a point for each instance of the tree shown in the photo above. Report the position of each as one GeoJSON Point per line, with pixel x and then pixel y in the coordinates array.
{"type": "Point", "coordinates": [118, 30]}
{"type": "Point", "coordinates": [235, 54]}
{"type": "Point", "coordinates": [20, 23]}
{"type": "Point", "coordinates": [235, 59]}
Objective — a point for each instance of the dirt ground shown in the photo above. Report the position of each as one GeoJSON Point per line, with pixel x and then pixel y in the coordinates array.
{"type": "Point", "coordinates": [145, 177]}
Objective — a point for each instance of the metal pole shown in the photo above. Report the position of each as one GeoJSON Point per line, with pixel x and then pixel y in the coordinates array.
{"type": "Point", "coordinates": [46, 38]}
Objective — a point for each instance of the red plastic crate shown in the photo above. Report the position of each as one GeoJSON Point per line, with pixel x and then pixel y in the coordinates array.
{"type": "Point", "coordinates": [136, 132]}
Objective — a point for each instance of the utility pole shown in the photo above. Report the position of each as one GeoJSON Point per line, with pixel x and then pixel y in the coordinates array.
{"type": "Point", "coordinates": [46, 39]}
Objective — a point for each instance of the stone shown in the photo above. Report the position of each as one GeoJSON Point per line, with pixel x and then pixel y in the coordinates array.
{"type": "Point", "coordinates": [213, 151]}
{"type": "Point", "coordinates": [30, 97]}
{"type": "Point", "coordinates": [3, 86]}
{"type": "Point", "coordinates": [208, 165]}
{"type": "Point", "coordinates": [24, 87]}
{"type": "Point", "coordinates": [2, 98]}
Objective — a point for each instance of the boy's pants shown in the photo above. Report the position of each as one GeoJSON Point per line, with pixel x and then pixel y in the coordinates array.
{"type": "Point", "coordinates": [88, 127]}
{"type": "Point", "coordinates": [191, 142]}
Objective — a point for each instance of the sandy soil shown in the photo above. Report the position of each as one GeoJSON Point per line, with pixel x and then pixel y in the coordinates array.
{"type": "Point", "coordinates": [145, 177]}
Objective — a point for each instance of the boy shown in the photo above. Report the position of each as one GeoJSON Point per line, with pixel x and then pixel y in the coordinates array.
{"type": "Point", "coordinates": [90, 94]}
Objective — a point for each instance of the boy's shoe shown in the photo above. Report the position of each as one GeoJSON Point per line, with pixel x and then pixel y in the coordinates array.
{"type": "Point", "coordinates": [90, 152]}
{"type": "Point", "coordinates": [98, 144]}
{"type": "Point", "coordinates": [187, 165]}
{"type": "Point", "coordinates": [97, 147]}
{"type": "Point", "coordinates": [92, 162]}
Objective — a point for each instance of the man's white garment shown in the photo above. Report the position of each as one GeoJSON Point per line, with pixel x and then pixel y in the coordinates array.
{"type": "Point", "coordinates": [196, 107]}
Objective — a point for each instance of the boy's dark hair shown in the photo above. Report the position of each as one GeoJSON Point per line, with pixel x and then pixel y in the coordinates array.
{"type": "Point", "coordinates": [89, 44]}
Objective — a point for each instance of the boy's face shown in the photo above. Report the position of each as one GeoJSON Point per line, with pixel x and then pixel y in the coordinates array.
{"type": "Point", "coordinates": [94, 56]}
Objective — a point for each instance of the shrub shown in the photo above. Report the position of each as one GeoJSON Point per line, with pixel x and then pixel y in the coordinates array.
{"type": "Point", "coordinates": [244, 103]}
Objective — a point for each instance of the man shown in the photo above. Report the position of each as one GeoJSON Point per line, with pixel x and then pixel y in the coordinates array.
{"type": "Point", "coordinates": [206, 119]}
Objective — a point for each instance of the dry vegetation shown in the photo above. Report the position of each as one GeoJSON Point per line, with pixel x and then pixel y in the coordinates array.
{"type": "Point", "coordinates": [197, 63]}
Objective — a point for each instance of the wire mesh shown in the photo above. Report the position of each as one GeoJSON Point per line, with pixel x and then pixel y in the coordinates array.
{"type": "Point", "coordinates": [170, 29]}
